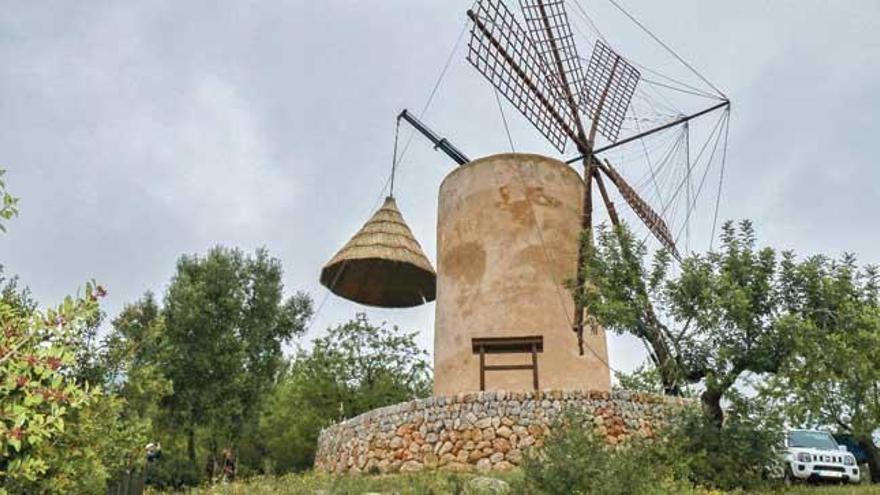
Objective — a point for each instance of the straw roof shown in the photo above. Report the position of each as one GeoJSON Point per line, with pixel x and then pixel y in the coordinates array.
{"type": "Point", "coordinates": [382, 265]}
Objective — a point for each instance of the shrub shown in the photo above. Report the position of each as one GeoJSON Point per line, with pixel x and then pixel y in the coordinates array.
{"type": "Point", "coordinates": [740, 454]}
{"type": "Point", "coordinates": [692, 452]}
{"type": "Point", "coordinates": [38, 392]}
{"type": "Point", "coordinates": [576, 459]}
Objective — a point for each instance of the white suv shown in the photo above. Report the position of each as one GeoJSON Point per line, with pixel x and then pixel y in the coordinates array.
{"type": "Point", "coordinates": [814, 455]}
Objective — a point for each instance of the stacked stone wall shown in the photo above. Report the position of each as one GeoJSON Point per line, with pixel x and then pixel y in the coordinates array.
{"type": "Point", "coordinates": [478, 431]}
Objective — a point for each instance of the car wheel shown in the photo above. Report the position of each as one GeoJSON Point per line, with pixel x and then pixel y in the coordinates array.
{"type": "Point", "coordinates": [788, 476]}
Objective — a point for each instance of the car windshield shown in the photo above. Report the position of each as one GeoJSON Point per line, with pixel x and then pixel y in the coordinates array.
{"type": "Point", "coordinates": [812, 440]}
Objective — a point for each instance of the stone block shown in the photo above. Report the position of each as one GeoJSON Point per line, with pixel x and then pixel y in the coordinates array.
{"type": "Point", "coordinates": [459, 432]}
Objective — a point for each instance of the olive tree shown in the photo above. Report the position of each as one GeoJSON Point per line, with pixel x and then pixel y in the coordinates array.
{"type": "Point", "coordinates": [714, 318]}
{"type": "Point", "coordinates": [833, 378]}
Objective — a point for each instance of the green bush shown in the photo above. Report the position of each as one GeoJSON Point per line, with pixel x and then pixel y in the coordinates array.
{"type": "Point", "coordinates": [740, 454]}
{"type": "Point", "coordinates": [575, 459]}
{"type": "Point", "coordinates": [692, 452]}
{"type": "Point", "coordinates": [311, 483]}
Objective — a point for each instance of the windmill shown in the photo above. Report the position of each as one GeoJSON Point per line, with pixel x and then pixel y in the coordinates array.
{"type": "Point", "coordinates": [537, 68]}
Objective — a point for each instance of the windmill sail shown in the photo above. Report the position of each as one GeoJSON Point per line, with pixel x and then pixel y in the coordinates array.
{"type": "Point", "coordinates": [504, 52]}
{"type": "Point", "coordinates": [548, 26]}
{"type": "Point", "coordinates": [611, 83]}
{"type": "Point", "coordinates": [649, 217]}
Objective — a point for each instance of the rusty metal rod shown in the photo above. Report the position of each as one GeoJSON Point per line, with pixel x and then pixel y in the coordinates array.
{"type": "Point", "coordinates": [725, 103]}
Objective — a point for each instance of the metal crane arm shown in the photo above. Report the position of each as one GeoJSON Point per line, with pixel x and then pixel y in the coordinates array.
{"type": "Point", "coordinates": [439, 142]}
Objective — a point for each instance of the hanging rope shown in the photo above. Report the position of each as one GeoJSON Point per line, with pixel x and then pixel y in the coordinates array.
{"type": "Point", "coordinates": [504, 120]}
{"type": "Point", "coordinates": [692, 204]}
{"type": "Point", "coordinates": [686, 88]}
{"type": "Point", "coordinates": [690, 188]}
{"type": "Point", "coordinates": [666, 47]}
{"type": "Point", "coordinates": [680, 90]}
{"type": "Point", "coordinates": [435, 88]}
{"type": "Point", "coordinates": [397, 161]}
{"type": "Point", "coordinates": [720, 180]}
{"type": "Point", "coordinates": [648, 160]}
{"type": "Point", "coordinates": [394, 158]}
{"type": "Point", "coordinates": [589, 20]}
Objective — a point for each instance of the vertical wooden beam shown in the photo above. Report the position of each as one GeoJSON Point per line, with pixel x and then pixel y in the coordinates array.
{"type": "Point", "coordinates": [609, 205]}
{"type": "Point", "coordinates": [482, 368]}
{"type": "Point", "coordinates": [535, 366]}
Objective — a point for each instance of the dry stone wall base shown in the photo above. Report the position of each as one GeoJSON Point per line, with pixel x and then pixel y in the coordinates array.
{"type": "Point", "coordinates": [478, 431]}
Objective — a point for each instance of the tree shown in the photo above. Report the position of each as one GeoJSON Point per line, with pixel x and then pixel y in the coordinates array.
{"type": "Point", "coordinates": [355, 368]}
{"type": "Point", "coordinates": [225, 321]}
{"type": "Point", "coordinates": [100, 442]}
{"type": "Point", "coordinates": [58, 432]}
{"type": "Point", "coordinates": [38, 392]}
{"type": "Point", "coordinates": [645, 378]}
{"type": "Point", "coordinates": [833, 376]}
{"type": "Point", "coordinates": [716, 319]}
{"type": "Point", "coordinates": [132, 356]}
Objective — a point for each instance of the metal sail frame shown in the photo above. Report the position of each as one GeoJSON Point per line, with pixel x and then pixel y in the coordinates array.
{"type": "Point", "coordinates": [538, 70]}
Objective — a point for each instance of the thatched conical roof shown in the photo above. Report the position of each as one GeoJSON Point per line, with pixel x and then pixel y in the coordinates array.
{"type": "Point", "coordinates": [382, 265]}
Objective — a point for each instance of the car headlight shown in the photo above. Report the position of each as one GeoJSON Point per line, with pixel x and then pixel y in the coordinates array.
{"type": "Point", "coordinates": [804, 457]}
{"type": "Point", "coordinates": [849, 460]}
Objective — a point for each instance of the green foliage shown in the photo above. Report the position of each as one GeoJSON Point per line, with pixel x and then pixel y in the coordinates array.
{"type": "Point", "coordinates": [370, 366]}
{"type": "Point", "coordinates": [575, 459]}
{"type": "Point", "coordinates": [645, 378]}
{"type": "Point", "coordinates": [691, 452]}
{"type": "Point", "coordinates": [58, 432]}
{"type": "Point", "coordinates": [8, 203]}
{"type": "Point", "coordinates": [743, 311]}
{"type": "Point", "coordinates": [38, 392]}
{"type": "Point", "coordinates": [99, 444]}
{"type": "Point", "coordinates": [356, 367]}
{"type": "Point", "coordinates": [723, 311]}
{"type": "Point", "coordinates": [436, 483]}
{"type": "Point", "coordinates": [739, 455]}
{"type": "Point", "coordinates": [839, 345]}
{"type": "Point", "coordinates": [207, 369]}
{"type": "Point", "coordinates": [310, 483]}
{"type": "Point", "coordinates": [132, 357]}
{"type": "Point", "coordinates": [198, 369]}
{"type": "Point", "coordinates": [61, 434]}
{"type": "Point", "coordinates": [225, 321]}
{"type": "Point", "coordinates": [17, 297]}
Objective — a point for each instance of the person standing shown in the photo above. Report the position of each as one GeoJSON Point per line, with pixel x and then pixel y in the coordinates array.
{"type": "Point", "coordinates": [228, 466]}
{"type": "Point", "coordinates": [154, 453]}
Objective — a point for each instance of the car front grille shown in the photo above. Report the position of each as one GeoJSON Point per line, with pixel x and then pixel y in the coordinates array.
{"type": "Point", "coordinates": [825, 467]}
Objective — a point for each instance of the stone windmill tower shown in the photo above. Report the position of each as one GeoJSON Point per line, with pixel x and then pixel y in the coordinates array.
{"type": "Point", "coordinates": [508, 230]}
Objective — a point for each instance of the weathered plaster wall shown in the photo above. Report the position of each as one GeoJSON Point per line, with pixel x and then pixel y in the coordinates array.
{"type": "Point", "coordinates": [478, 430]}
{"type": "Point", "coordinates": [508, 229]}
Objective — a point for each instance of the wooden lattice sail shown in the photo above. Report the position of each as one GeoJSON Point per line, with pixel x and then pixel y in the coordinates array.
{"type": "Point", "coordinates": [382, 265]}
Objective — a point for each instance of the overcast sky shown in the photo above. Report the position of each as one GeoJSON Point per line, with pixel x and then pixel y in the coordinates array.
{"type": "Point", "coordinates": [135, 132]}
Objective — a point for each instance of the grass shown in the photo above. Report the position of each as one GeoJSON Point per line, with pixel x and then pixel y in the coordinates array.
{"type": "Point", "coordinates": [436, 484]}
{"type": "Point", "coordinates": [831, 490]}
{"type": "Point", "coordinates": [310, 483]}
